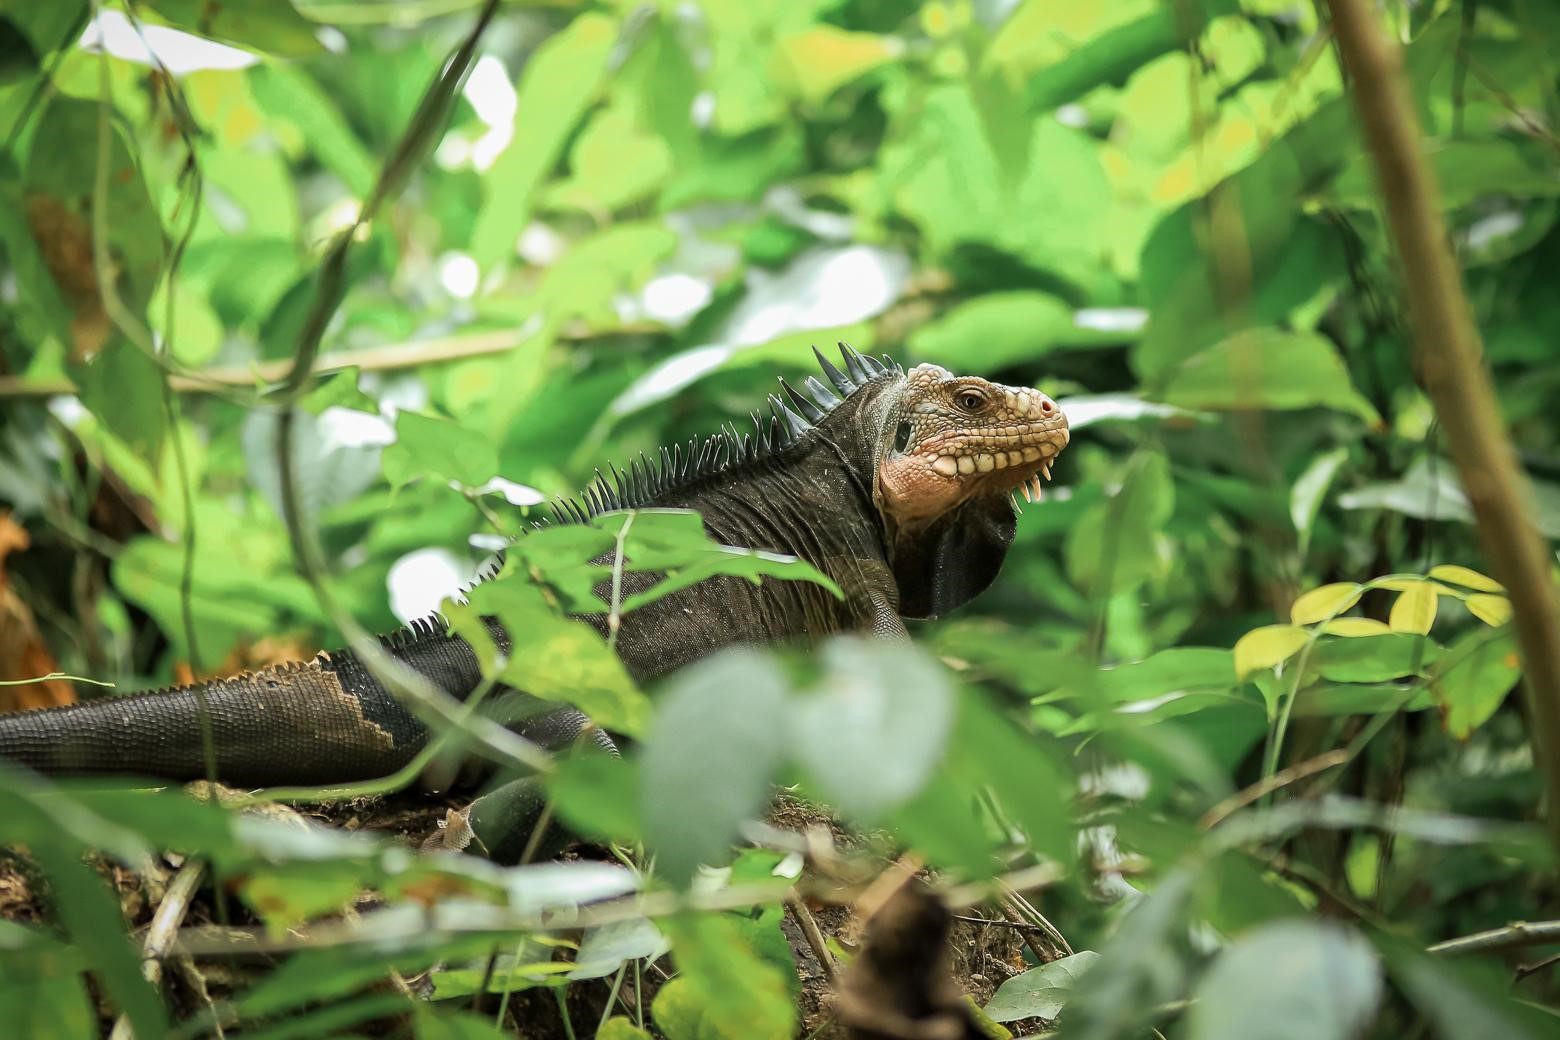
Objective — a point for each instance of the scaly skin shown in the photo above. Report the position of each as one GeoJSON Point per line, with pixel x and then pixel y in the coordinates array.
{"type": "Point", "coordinates": [898, 490]}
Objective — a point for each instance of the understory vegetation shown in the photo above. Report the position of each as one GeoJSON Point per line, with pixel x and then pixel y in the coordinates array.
{"type": "Point", "coordinates": [1235, 748]}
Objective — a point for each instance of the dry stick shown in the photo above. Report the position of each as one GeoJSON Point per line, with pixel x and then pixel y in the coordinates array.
{"type": "Point", "coordinates": [1518, 933]}
{"type": "Point", "coordinates": [1449, 355]}
{"type": "Point", "coordinates": [814, 937]}
{"type": "Point", "coordinates": [1267, 785]}
{"type": "Point", "coordinates": [164, 930]}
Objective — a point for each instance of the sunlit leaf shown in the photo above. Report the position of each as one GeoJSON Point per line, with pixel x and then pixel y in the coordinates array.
{"type": "Point", "coordinates": [1492, 610]}
{"type": "Point", "coordinates": [266, 25]}
{"type": "Point", "coordinates": [1354, 627]}
{"type": "Point", "coordinates": [816, 62]}
{"type": "Point", "coordinates": [1267, 368]}
{"type": "Point", "coordinates": [427, 444]}
{"type": "Point", "coordinates": [1265, 647]}
{"type": "Point", "coordinates": [1325, 602]}
{"type": "Point", "coordinates": [1466, 577]}
{"type": "Point", "coordinates": [1414, 609]}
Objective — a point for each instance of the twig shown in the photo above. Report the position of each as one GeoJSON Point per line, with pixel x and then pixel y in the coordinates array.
{"type": "Point", "coordinates": [814, 937]}
{"type": "Point", "coordinates": [1267, 785]}
{"type": "Point", "coordinates": [1016, 903]}
{"type": "Point", "coordinates": [1515, 934]}
{"type": "Point", "coordinates": [164, 930]}
{"type": "Point", "coordinates": [1524, 970]}
{"type": "Point", "coordinates": [1449, 354]}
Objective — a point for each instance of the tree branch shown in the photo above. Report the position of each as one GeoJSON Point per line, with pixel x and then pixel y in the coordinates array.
{"type": "Point", "coordinates": [1449, 354]}
{"type": "Point", "coordinates": [1518, 933]}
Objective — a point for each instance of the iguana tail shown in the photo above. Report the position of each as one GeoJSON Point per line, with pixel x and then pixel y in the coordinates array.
{"type": "Point", "coordinates": [324, 721]}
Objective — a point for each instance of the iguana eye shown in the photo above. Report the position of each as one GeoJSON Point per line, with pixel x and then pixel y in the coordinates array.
{"type": "Point", "coordinates": [971, 400]}
{"type": "Point", "coordinates": [901, 438]}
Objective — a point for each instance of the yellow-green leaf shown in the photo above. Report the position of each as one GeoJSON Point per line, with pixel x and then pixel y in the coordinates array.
{"type": "Point", "coordinates": [1404, 584]}
{"type": "Point", "coordinates": [1466, 577]}
{"type": "Point", "coordinates": [1355, 626]}
{"type": "Point", "coordinates": [817, 61]}
{"type": "Point", "coordinates": [1265, 647]}
{"type": "Point", "coordinates": [1414, 610]}
{"type": "Point", "coordinates": [1325, 602]}
{"type": "Point", "coordinates": [1492, 610]}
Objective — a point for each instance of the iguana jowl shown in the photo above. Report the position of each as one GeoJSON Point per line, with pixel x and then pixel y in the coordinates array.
{"type": "Point", "coordinates": [896, 484]}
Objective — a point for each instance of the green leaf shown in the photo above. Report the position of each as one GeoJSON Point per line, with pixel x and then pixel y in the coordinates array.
{"type": "Point", "coordinates": [123, 388]}
{"type": "Point", "coordinates": [289, 94]}
{"type": "Point", "coordinates": [1267, 647]}
{"type": "Point", "coordinates": [442, 1024]}
{"type": "Point", "coordinates": [1473, 677]}
{"type": "Point", "coordinates": [1354, 627]}
{"type": "Point", "coordinates": [553, 657]}
{"type": "Point", "coordinates": [620, 1028]}
{"type": "Point", "coordinates": [1305, 498]}
{"type": "Point", "coordinates": [262, 25]}
{"type": "Point", "coordinates": [1289, 980]}
{"type": "Point", "coordinates": [709, 758]}
{"type": "Point", "coordinates": [30, 31]}
{"type": "Point", "coordinates": [1040, 992]}
{"type": "Point", "coordinates": [1414, 609]}
{"type": "Point", "coordinates": [1115, 547]}
{"type": "Point", "coordinates": [817, 61]}
{"type": "Point", "coordinates": [1380, 657]}
{"type": "Point", "coordinates": [1324, 602]}
{"type": "Point", "coordinates": [559, 82]}
{"type": "Point", "coordinates": [598, 797]}
{"type": "Point", "coordinates": [1267, 368]}
{"type": "Point", "coordinates": [1466, 577]}
{"type": "Point", "coordinates": [1461, 998]}
{"type": "Point", "coordinates": [427, 445]}
{"type": "Point", "coordinates": [874, 726]}
{"type": "Point", "coordinates": [995, 330]}
{"type": "Point", "coordinates": [1140, 966]}
{"type": "Point", "coordinates": [731, 992]}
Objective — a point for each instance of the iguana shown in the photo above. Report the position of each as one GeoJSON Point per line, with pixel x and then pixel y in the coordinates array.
{"type": "Point", "coordinates": [896, 484]}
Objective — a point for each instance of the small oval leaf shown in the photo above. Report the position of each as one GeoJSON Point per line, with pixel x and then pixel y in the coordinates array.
{"type": "Point", "coordinates": [1492, 610]}
{"type": "Point", "coordinates": [1467, 577]}
{"type": "Point", "coordinates": [1414, 610]}
{"type": "Point", "coordinates": [1354, 626]}
{"type": "Point", "coordinates": [1265, 647]}
{"type": "Point", "coordinates": [1325, 602]}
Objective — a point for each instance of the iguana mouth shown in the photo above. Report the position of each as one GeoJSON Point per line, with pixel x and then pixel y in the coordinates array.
{"type": "Point", "coordinates": [963, 437]}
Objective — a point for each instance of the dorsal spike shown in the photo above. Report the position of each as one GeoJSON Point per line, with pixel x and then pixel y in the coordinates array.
{"type": "Point", "coordinates": [841, 381]}
{"type": "Point", "coordinates": [826, 398]}
{"type": "Point", "coordinates": [667, 472]}
{"type": "Point", "coordinates": [811, 412]}
{"type": "Point", "coordinates": [681, 461]}
{"type": "Point", "coordinates": [855, 364]}
{"type": "Point", "coordinates": [889, 362]}
{"type": "Point", "coordinates": [795, 424]}
{"type": "Point", "coordinates": [621, 481]}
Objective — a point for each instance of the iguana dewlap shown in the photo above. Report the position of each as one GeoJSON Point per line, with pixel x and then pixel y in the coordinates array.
{"type": "Point", "coordinates": [896, 484]}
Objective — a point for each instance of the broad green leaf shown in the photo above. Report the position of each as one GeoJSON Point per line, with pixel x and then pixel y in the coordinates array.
{"type": "Point", "coordinates": [817, 61]}
{"type": "Point", "coordinates": [29, 32]}
{"type": "Point", "coordinates": [1115, 545]}
{"type": "Point", "coordinates": [1325, 602]}
{"type": "Point", "coordinates": [598, 796]}
{"type": "Point", "coordinates": [1492, 610]}
{"type": "Point", "coordinates": [873, 727]}
{"type": "Point", "coordinates": [996, 329]}
{"type": "Point", "coordinates": [731, 991]}
{"type": "Point", "coordinates": [606, 947]}
{"type": "Point", "coordinates": [1473, 677]}
{"type": "Point", "coordinates": [1379, 656]}
{"type": "Point", "coordinates": [42, 992]}
{"type": "Point", "coordinates": [427, 445]}
{"type": "Point", "coordinates": [1466, 577]}
{"type": "Point", "coordinates": [990, 752]}
{"type": "Point", "coordinates": [1266, 647]}
{"type": "Point", "coordinates": [445, 1024]}
{"type": "Point", "coordinates": [709, 758]}
{"type": "Point", "coordinates": [1414, 609]}
{"type": "Point", "coordinates": [1461, 997]}
{"type": "Point", "coordinates": [1289, 980]}
{"type": "Point", "coordinates": [554, 657]}
{"type": "Point", "coordinates": [1040, 992]}
{"type": "Point", "coordinates": [558, 83]}
{"type": "Point", "coordinates": [263, 25]}
{"type": "Point", "coordinates": [289, 94]}
{"type": "Point", "coordinates": [1267, 368]}
{"type": "Point", "coordinates": [620, 1028]}
{"type": "Point", "coordinates": [1140, 967]}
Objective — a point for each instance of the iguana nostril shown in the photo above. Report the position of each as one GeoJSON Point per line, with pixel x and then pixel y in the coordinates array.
{"type": "Point", "coordinates": [1045, 405]}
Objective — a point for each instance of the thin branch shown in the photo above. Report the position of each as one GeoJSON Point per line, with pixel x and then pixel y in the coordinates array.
{"type": "Point", "coordinates": [164, 930]}
{"type": "Point", "coordinates": [1449, 353]}
{"type": "Point", "coordinates": [1514, 935]}
{"type": "Point", "coordinates": [1267, 785]}
{"type": "Point", "coordinates": [814, 937]}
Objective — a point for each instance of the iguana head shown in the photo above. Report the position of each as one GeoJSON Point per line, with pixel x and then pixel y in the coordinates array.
{"type": "Point", "coordinates": [952, 450]}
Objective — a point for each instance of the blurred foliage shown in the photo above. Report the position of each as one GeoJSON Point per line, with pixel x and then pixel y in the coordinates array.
{"type": "Point", "coordinates": [1242, 682]}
